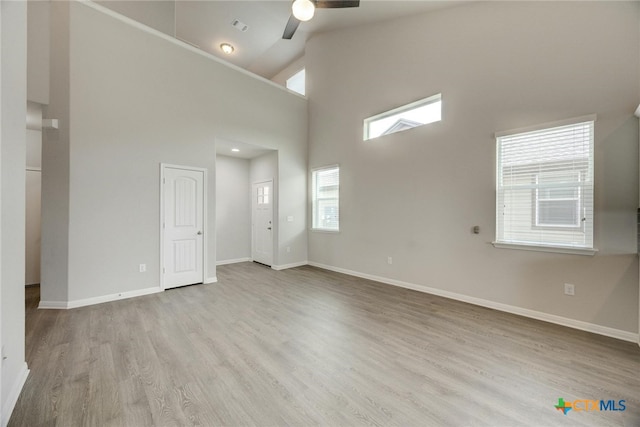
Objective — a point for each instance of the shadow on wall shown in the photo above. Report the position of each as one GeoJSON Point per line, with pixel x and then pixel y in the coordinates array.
{"type": "Point", "coordinates": [616, 188]}
{"type": "Point", "coordinates": [616, 294]}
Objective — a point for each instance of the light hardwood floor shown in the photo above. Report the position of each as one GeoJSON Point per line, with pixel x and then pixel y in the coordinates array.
{"type": "Point", "coordinates": [307, 347]}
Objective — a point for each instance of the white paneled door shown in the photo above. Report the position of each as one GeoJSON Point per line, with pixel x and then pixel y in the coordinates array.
{"type": "Point", "coordinates": [182, 228]}
{"type": "Point", "coordinates": [262, 238]}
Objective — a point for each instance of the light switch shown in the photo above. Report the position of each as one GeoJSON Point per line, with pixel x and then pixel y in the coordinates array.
{"type": "Point", "coordinates": [289, 219]}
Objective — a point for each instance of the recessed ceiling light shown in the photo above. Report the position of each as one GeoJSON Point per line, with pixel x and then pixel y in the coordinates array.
{"type": "Point", "coordinates": [227, 48]}
{"type": "Point", "coordinates": [235, 150]}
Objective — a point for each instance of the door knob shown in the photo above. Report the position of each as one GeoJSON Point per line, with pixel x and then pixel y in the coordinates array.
{"type": "Point", "coordinates": [199, 233]}
{"type": "Point", "coordinates": [268, 228]}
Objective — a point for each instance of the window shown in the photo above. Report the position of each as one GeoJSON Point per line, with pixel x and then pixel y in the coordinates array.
{"type": "Point", "coordinates": [409, 116]}
{"type": "Point", "coordinates": [325, 195]}
{"type": "Point", "coordinates": [263, 196]}
{"type": "Point", "coordinates": [297, 82]}
{"type": "Point", "coordinates": [545, 187]}
{"type": "Point", "coordinates": [558, 205]}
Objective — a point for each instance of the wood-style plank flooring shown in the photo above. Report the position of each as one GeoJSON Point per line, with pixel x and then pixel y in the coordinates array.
{"type": "Point", "coordinates": [307, 347]}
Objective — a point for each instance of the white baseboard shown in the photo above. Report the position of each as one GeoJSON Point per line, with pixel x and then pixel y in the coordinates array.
{"type": "Point", "coordinates": [53, 305]}
{"type": "Point", "coordinates": [232, 261]}
{"type": "Point", "coordinates": [211, 280]}
{"type": "Point", "coordinates": [274, 267]}
{"type": "Point", "coordinates": [97, 300]}
{"type": "Point", "coordinates": [12, 398]}
{"type": "Point", "coordinates": [292, 265]}
{"type": "Point", "coordinates": [533, 314]}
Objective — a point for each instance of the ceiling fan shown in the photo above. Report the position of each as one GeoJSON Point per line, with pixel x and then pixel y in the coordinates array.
{"type": "Point", "coordinates": [303, 10]}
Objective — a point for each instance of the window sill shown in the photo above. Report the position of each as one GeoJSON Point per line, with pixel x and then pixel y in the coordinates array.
{"type": "Point", "coordinates": [324, 230]}
{"type": "Point", "coordinates": [541, 248]}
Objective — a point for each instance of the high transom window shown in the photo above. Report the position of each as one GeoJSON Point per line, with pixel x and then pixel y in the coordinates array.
{"type": "Point", "coordinates": [408, 116]}
{"type": "Point", "coordinates": [297, 82]}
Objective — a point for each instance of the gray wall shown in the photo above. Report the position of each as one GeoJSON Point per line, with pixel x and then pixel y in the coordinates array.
{"type": "Point", "coordinates": [264, 168]}
{"type": "Point", "coordinates": [135, 100]}
{"type": "Point", "coordinates": [54, 258]}
{"type": "Point", "coordinates": [159, 15]}
{"type": "Point", "coordinates": [38, 58]}
{"type": "Point", "coordinates": [415, 195]}
{"type": "Point", "coordinates": [13, 37]}
{"type": "Point", "coordinates": [233, 209]}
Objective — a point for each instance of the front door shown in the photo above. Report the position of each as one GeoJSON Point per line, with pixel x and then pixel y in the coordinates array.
{"type": "Point", "coordinates": [262, 221]}
{"type": "Point", "coordinates": [183, 219]}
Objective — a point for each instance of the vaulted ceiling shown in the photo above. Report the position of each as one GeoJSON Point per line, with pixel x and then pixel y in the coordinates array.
{"type": "Point", "coordinates": [260, 49]}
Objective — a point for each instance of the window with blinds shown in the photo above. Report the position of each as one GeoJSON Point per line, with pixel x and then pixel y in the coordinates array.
{"type": "Point", "coordinates": [325, 198]}
{"type": "Point", "coordinates": [545, 186]}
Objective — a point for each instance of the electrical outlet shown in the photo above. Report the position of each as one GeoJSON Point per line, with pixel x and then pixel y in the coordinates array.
{"type": "Point", "coordinates": [143, 268]}
{"type": "Point", "coordinates": [389, 260]}
{"type": "Point", "coordinates": [569, 289]}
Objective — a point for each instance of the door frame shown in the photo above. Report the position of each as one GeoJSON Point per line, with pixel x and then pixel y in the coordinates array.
{"type": "Point", "coordinates": [205, 237]}
{"type": "Point", "coordinates": [274, 229]}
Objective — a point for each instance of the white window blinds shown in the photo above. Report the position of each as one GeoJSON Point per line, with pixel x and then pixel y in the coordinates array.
{"type": "Point", "coordinates": [545, 187]}
{"type": "Point", "coordinates": [326, 198]}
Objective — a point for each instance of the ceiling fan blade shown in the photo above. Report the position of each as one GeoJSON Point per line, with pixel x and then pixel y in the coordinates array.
{"type": "Point", "coordinates": [290, 29]}
{"type": "Point", "coordinates": [336, 4]}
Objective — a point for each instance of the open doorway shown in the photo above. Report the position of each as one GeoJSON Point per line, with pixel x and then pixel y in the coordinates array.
{"type": "Point", "coordinates": [33, 193]}
{"type": "Point", "coordinates": [239, 166]}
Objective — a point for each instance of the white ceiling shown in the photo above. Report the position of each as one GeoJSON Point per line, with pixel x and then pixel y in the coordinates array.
{"type": "Point", "coordinates": [224, 147]}
{"type": "Point", "coordinates": [261, 49]}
